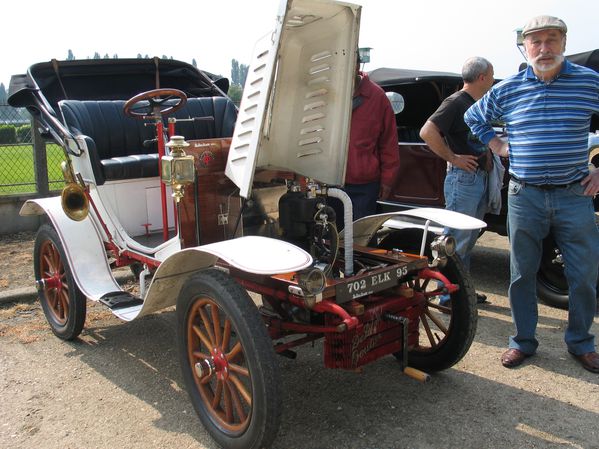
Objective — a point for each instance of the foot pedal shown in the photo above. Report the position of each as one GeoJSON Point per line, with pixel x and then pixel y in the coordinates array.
{"type": "Point", "coordinates": [118, 300]}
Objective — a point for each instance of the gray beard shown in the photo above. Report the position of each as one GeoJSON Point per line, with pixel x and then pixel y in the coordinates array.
{"type": "Point", "coordinates": [545, 67]}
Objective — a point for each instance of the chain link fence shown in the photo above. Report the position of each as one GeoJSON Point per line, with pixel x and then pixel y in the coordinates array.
{"type": "Point", "coordinates": [21, 172]}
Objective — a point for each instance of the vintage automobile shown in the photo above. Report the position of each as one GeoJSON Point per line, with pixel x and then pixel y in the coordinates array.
{"type": "Point", "coordinates": [223, 213]}
{"type": "Point", "coordinates": [419, 182]}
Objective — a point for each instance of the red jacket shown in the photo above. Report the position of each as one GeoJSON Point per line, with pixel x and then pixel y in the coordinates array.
{"type": "Point", "coordinates": [373, 146]}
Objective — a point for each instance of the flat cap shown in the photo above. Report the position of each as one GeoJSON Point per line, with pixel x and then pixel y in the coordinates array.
{"type": "Point", "coordinates": [544, 23]}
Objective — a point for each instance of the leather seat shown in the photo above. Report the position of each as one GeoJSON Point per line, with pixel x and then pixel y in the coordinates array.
{"type": "Point", "coordinates": [116, 142]}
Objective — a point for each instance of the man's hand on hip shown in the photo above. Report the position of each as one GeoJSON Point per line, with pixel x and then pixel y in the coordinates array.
{"type": "Point", "coordinates": [466, 162]}
{"type": "Point", "coordinates": [591, 183]}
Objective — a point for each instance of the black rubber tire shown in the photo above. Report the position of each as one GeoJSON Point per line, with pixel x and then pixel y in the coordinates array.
{"type": "Point", "coordinates": [462, 320]}
{"type": "Point", "coordinates": [64, 306]}
{"type": "Point", "coordinates": [552, 286]}
{"type": "Point", "coordinates": [214, 292]}
{"type": "Point", "coordinates": [136, 269]}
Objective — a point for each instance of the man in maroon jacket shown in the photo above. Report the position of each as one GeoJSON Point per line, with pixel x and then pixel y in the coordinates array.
{"type": "Point", "coordinates": [373, 158]}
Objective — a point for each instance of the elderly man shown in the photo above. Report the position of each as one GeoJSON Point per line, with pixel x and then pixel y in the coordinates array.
{"type": "Point", "coordinates": [469, 161]}
{"type": "Point", "coordinates": [547, 109]}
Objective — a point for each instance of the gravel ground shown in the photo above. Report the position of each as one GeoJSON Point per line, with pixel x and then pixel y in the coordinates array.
{"type": "Point", "coordinates": [119, 385]}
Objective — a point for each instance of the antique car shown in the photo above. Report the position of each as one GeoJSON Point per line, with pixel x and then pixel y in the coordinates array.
{"type": "Point", "coordinates": [420, 180]}
{"type": "Point", "coordinates": [224, 213]}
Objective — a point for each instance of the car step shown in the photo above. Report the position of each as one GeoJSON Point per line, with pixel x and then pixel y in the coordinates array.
{"type": "Point", "coordinates": [120, 299]}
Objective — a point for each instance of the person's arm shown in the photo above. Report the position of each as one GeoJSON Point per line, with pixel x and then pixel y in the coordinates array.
{"type": "Point", "coordinates": [479, 117]}
{"type": "Point", "coordinates": [431, 135]}
{"type": "Point", "coordinates": [388, 152]}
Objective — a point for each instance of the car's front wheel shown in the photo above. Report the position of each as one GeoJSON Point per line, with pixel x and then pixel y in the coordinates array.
{"type": "Point", "coordinates": [447, 325]}
{"type": "Point", "coordinates": [228, 361]}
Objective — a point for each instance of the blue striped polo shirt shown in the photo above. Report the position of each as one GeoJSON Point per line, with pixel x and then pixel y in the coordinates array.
{"type": "Point", "coordinates": [547, 123]}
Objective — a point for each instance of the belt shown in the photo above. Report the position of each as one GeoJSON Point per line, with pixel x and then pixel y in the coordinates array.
{"type": "Point", "coordinates": [543, 186]}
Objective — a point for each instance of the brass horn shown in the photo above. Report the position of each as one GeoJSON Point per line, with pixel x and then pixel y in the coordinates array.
{"type": "Point", "coordinates": [74, 201]}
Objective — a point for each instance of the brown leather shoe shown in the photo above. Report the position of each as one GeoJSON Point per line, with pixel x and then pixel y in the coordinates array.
{"type": "Point", "coordinates": [513, 357]}
{"type": "Point", "coordinates": [589, 361]}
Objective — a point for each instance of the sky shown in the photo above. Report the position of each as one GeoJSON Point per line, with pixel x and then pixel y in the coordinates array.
{"type": "Point", "coordinates": [421, 34]}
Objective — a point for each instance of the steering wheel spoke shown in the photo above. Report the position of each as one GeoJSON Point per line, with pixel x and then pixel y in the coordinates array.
{"type": "Point", "coordinates": [157, 103]}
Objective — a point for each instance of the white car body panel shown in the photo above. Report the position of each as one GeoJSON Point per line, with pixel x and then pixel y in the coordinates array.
{"type": "Point", "coordinates": [365, 228]}
{"type": "Point", "coordinates": [83, 247]}
{"type": "Point", "coordinates": [252, 254]}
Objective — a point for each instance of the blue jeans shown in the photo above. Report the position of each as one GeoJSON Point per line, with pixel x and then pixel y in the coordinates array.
{"type": "Point", "coordinates": [467, 193]}
{"type": "Point", "coordinates": [569, 215]}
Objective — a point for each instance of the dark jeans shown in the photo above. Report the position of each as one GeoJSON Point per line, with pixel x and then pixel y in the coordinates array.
{"type": "Point", "coordinates": [363, 198]}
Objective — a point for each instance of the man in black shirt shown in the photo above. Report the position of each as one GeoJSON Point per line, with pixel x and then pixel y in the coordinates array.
{"type": "Point", "coordinates": [469, 161]}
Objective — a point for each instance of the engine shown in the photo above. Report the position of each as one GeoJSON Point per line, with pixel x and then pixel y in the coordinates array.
{"type": "Point", "coordinates": [306, 220]}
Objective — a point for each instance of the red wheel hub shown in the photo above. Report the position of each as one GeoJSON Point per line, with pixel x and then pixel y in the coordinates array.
{"type": "Point", "coordinates": [220, 363]}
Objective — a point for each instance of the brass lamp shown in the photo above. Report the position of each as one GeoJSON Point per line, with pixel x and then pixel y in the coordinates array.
{"type": "Point", "coordinates": [177, 169]}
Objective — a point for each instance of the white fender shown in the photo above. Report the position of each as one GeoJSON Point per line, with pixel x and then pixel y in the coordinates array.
{"type": "Point", "coordinates": [82, 245]}
{"type": "Point", "coordinates": [252, 254]}
{"type": "Point", "coordinates": [365, 228]}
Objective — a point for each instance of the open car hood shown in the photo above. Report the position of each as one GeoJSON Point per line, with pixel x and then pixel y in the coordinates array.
{"type": "Point", "coordinates": [296, 107]}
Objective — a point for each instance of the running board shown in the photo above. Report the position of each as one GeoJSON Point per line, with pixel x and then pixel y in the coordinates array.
{"type": "Point", "coordinates": [122, 304]}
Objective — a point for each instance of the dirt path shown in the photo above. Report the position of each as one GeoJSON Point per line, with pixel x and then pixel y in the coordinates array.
{"type": "Point", "coordinates": [120, 386]}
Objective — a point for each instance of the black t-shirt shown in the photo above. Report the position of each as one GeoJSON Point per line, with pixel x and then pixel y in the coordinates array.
{"type": "Point", "coordinates": [449, 118]}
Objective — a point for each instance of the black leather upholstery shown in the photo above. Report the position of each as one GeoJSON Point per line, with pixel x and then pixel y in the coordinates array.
{"type": "Point", "coordinates": [116, 142]}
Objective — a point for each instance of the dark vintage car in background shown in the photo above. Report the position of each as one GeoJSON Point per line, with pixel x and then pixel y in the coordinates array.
{"type": "Point", "coordinates": [422, 173]}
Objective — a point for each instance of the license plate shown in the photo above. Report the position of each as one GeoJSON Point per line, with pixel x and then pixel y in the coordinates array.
{"type": "Point", "coordinates": [370, 283]}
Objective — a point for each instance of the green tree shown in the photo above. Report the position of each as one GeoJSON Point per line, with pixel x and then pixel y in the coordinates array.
{"type": "Point", "coordinates": [194, 63]}
{"type": "Point", "coordinates": [235, 72]}
{"type": "Point", "coordinates": [70, 55]}
{"type": "Point", "coordinates": [243, 73]}
{"type": "Point", "coordinates": [235, 92]}
{"type": "Point", "coordinates": [3, 94]}
{"type": "Point", "coordinates": [97, 55]}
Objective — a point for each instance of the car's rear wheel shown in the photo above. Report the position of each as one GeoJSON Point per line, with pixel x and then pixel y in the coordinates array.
{"type": "Point", "coordinates": [228, 361]}
{"type": "Point", "coordinates": [63, 303]}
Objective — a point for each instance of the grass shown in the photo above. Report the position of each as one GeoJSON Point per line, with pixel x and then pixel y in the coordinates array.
{"type": "Point", "coordinates": [16, 168]}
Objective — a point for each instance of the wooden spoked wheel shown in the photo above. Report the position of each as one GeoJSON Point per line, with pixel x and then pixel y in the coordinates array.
{"type": "Point", "coordinates": [228, 361]}
{"type": "Point", "coordinates": [55, 286]}
{"type": "Point", "coordinates": [436, 318]}
{"type": "Point", "coordinates": [447, 325]}
{"type": "Point", "coordinates": [63, 303]}
{"type": "Point", "coordinates": [219, 364]}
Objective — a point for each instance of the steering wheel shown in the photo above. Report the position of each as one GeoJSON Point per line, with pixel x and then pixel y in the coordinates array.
{"type": "Point", "coordinates": [156, 106]}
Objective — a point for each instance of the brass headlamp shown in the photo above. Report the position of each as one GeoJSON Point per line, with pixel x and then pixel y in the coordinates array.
{"type": "Point", "coordinates": [177, 169]}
